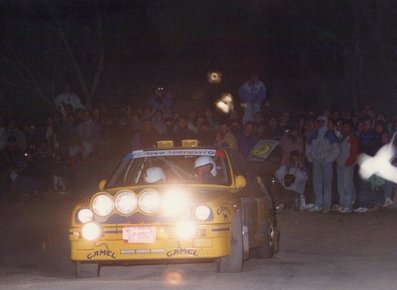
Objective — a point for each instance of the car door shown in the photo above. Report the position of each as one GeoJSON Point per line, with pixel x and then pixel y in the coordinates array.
{"type": "Point", "coordinates": [249, 195]}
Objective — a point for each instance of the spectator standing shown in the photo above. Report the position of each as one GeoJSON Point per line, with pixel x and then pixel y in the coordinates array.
{"type": "Point", "coordinates": [322, 150]}
{"type": "Point", "coordinates": [271, 128]}
{"type": "Point", "coordinates": [158, 122]}
{"type": "Point", "coordinates": [382, 138]}
{"type": "Point", "coordinates": [3, 135]}
{"type": "Point", "coordinates": [345, 167]}
{"type": "Point", "coordinates": [259, 121]}
{"type": "Point", "coordinates": [205, 134]}
{"type": "Point", "coordinates": [247, 139]}
{"type": "Point", "coordinates": [182, 131]}
{"type": "Point", "coordinates": [162, 100]}
{"type": "Point", "coordinates": [147, 137]}
{"type": "Point", "coordinates": [368, 138]}
{"type": "Point", "coordinates": [290, 141]}
{"type": "Point", "coordinates": [209, 117]}
{"type": "Point", "coordinates": [368, 191]}
{"type": "Point", "coordinates": [17, 134]}
{"type": "Point", "coordinates": [89, 133]}
{"type": "Point", "coordinates": [12, 162]}
{"type": "Point", "coordinates": [67, 97]}
{"type": "Point", "coordinates": [225, 137]}
{"type": "Point", "coordinates": [389, 186]}
{"type": "Point", "coordinates": [284, 122]}
{"type": "Point", "coordinates": [252, 93]}
{"type": "Point", "coordinates": [191, 120]}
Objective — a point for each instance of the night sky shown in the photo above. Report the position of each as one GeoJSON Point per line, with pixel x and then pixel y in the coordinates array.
{"type": "Point", "coordinates": [318, 54]}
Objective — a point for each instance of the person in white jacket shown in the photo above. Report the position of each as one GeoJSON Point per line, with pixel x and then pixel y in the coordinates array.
{"type": "Point", "coordinates": [322, 149]}
{"type": "Point", "coordinates": [293, 176]}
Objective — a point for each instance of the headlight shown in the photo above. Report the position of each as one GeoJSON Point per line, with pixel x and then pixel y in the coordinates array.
{"type": "Point", "coordinates": [149, 201]}
{"type": "Point", "coordinates": [186, 230]}
{"type": "Point", "coordinates": [126, 202]}
{"type": "Point", "coordinates": [103, 205]}
{"type": "Point", "coordinates": [91, 231]}
{"type": "Point", "coordinates": [85, 215]}
{"type": "Point", "coordinates": [175, 201]}
{"type": "Point", "coordinates": [202, 212]}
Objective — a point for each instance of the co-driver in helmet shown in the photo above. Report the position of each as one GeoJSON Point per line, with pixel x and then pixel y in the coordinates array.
{"type": "Point", "coordinates": [204, 168]}
{"type": "Point", "coordinates": [154, 175]}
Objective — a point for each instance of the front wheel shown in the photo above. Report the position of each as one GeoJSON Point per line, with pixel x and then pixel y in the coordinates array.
{"type": "Point", "coordinates": [271, 244]}
{"type": "Point", "coordinates": [234, 262]}
{"type": "Point", "coordinates": [87, 270]}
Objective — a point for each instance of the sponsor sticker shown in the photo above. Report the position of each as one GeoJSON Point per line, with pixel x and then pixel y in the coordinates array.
{"type": "Point", "coordinates": [173, 152]}
{"type": "Point", "coordinates": [182, 251]}
{"type": "Point", "coordinates": [101, 253]}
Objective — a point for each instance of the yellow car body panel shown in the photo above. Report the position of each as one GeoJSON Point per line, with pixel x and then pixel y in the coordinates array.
{"type": "Point", "coordinates": [211, 238]}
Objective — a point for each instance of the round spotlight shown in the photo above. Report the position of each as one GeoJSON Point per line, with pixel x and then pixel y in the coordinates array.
{"type": "Point", "coordinates": [149, 201]}
{"type": "Point", "coordinates": [202, 212]}
{"type": "Point", "coordinates": [91, 231]}
{"type": "Point", "coordinates": [85, 215]}
{"type": "Point", "coordinates": [126, 202]}
{"type": "Point", "coordinates": [102, 204]}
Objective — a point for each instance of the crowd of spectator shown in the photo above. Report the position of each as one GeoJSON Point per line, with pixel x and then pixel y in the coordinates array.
{"type": "Point", "coordinates": [321, 147]}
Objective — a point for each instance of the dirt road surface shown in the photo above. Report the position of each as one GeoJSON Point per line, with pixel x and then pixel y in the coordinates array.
{"type": "Point", "coordinates": [318, 251]}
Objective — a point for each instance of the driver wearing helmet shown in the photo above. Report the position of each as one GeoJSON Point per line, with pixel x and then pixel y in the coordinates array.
{"type": "Point", "coordinates": [154, 175]}
{"type": "Point", "coordinates": [205, 168]}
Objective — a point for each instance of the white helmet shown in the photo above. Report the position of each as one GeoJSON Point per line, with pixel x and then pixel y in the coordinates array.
{"type": "Point", "coordinates": [154, 174]}
{"type": "Point", "coordinates": [205, 160]}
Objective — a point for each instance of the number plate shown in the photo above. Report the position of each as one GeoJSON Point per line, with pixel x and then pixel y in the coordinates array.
{"type": "Point", "coordinates": [140, 235]}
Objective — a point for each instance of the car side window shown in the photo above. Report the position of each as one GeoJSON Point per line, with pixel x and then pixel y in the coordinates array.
{"type": "Point", "coordinates": [241, 168]}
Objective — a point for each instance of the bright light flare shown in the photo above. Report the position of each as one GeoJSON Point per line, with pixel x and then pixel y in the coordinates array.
{"type": "Point", "coordinates": [175, 201]}
{"type": "Point", "coordinates": [380, 164]}
{"type": "Point", "coordinates": [225, 103]}
{"type": "Point", "coordinates": [214, 77]}
{"type": "Point", "coordinates": [186, 230]}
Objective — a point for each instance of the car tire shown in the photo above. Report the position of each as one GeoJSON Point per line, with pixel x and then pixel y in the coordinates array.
{"type": "Point", "coordinates": [87, 270]}
{"type": "Point", "coordinates": [271, 244]}
{"type": "Point", "coordinates": [235, 261]}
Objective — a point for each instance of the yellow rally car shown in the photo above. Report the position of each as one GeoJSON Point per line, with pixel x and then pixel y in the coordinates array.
{"type": "Point", "coordinates": [175, 204]}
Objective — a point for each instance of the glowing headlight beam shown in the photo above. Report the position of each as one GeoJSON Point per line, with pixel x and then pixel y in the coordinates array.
{"type": "Point", "coordinates": [186, 230]}
{"type": "Point", "coordinates": [175, 201]}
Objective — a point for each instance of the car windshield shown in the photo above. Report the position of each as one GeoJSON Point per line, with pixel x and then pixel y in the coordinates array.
{"type": "Point", "coordinates": [183, 166]}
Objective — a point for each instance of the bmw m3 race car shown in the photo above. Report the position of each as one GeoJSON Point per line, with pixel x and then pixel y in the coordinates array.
{"type": "Point", "coordinates": [170, 204]}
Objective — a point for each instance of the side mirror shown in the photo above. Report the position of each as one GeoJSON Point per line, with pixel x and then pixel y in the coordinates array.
{"type": "Point", "coordinates": [102, 184]}
{"type": "Point", "coordinates": [240, 181]}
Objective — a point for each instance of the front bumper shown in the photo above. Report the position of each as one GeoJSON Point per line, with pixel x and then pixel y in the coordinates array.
{"type": "Point", "coordinates": [210, 241]}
